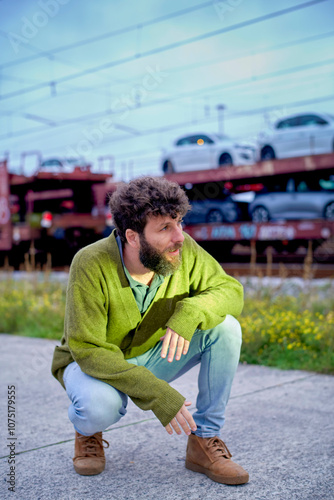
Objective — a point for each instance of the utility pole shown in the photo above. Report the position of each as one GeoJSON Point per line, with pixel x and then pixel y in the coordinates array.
{"type": "Point", "coordinates": [220, 112]}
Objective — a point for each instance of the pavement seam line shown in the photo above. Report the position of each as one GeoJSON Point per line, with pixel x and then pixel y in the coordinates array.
{"type": "Point", "coordinates": [154, 418]}
{"type": "Point", "coordinates": [275, 386]}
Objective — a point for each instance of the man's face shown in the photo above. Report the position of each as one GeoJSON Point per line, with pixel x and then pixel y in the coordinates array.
{"type": "Point", "coordinates": [161, 244]}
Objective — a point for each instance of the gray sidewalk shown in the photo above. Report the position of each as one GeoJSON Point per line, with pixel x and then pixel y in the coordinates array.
{"type": "Point", "coordinates": [280, 427]}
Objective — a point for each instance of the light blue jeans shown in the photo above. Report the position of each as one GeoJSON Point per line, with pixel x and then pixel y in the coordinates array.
{"type": "Point", "coordinates": [96, 405]}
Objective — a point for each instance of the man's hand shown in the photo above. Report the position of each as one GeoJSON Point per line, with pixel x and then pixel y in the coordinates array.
{"type": "Point", "coordinates": [174, 341]}
{"type": "Point", "coordinates": [184, 419]}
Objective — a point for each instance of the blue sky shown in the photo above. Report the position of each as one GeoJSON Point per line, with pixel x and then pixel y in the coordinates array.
{"type": "Point", "coordinates": [124, 78]}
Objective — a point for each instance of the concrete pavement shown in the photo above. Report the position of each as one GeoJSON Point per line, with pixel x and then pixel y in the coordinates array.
{"type": "Point", "coordinates": [280, 427]}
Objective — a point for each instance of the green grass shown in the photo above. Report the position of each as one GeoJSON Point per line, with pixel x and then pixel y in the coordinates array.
{"type": "Point", "coordinates": [32, 308]}
{"type": "Point", "coordinates": [285, 331]}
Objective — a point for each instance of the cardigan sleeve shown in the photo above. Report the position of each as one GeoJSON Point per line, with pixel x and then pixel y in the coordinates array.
{"type": "Point", "coordinates": [212, 294]}
{"type": "Point", "coordinates": [85, 332]}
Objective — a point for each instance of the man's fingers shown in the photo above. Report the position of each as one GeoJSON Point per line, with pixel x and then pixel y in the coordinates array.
{"type": "Point", "coordinates": [180, 346]}
{"type": "Point", "coordinates": [183, 423]}
{"type": "Point", "coordinates": [188, 417]}
{"type": "Point", "coordinates": [182, 419]}
{"type": "Point", "coordinates": [165, 343]}
{"type": "Point", "coordinates": [169, 429]}
{"type": "Point", "coordinates": [175, 426]}
{"type": "Point", "coordinates": [172, 346]}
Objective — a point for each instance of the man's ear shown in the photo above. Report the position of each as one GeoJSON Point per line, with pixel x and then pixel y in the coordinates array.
{"type": "Point", "coordinates": [132, 237]}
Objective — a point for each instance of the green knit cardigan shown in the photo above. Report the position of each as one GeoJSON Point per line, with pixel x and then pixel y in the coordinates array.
{"type": "Point", "coordinates": [103, 326]}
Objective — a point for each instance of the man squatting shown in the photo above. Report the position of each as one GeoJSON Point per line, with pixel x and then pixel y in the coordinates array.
{"type": "Point", "coordinates": [145, 305]}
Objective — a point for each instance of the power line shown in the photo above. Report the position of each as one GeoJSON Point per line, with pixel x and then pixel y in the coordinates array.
{"type": "Point", "coordinates": [109, 34]}
{"type": "Point", "coordinates": [164, 48]}
{"type": "Point", "coordinates": [251, 52]}
{"type": "Point", "coordinates": [242, 81]}
{"type": "Point", "coordinates": [47, 54]}
{"type": "Point", "coordinates": [30, 47]}
{"type": "Point", "coordinates": [182, 68]}
{"type": "Point", "coordinates": [101, 114]}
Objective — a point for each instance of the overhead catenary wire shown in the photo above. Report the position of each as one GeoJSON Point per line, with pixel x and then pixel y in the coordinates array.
{"type": "Point", "coordinates": [155, 102]}
{"type": "Point", "coordinates": [109, 34]}
{"type": "Point", "coordinates": [124, 30]}
{"type": "Point", "coordinates": [50, 54]}
{"type": "Point", "coordinates": [161, 49]}
{"type": "Point", "coordinates": [183, 68]}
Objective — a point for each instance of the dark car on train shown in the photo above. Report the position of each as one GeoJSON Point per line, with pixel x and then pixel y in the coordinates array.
{"type": "Point", "coordinates": [212, 210]}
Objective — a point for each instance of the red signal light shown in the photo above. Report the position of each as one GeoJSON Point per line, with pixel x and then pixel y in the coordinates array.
{"type": "Point", "coordinates": [46, 220]}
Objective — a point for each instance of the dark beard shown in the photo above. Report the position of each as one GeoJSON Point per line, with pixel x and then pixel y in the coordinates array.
{"type": "Point", "coordinates": [156, 261]}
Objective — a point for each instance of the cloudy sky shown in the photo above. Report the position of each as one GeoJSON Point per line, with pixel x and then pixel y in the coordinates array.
{"type": "Point", "coordinates": [123, 78]}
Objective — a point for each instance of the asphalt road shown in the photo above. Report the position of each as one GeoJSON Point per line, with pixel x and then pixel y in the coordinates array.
{"type": "Point", "coordinates": [280, 427]}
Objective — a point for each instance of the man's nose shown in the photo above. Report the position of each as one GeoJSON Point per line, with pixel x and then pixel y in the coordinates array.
{"type": "Point", "coordinates": [178, 236]}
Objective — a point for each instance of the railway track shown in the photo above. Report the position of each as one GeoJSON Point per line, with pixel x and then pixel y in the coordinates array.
{"type": "Point", "coordinates": [242, 261]}
{"type": "Point", "coordinates": [305, 264]}
{"type": "Point", "coordinates": [315, 271]}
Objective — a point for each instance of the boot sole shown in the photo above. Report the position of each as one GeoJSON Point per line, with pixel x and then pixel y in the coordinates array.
{"type": "Point", "coordinates": [83, 472]}
{"type": "Point", "coordinates": [215, 477]}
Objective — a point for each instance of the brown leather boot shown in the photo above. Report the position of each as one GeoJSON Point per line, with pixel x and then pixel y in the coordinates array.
{"type": "Point", "coordinates": [210, 456]}
{"type": "Point", "coordinates": [89, 456]}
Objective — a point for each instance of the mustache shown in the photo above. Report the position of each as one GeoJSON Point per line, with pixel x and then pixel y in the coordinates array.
{"type": "Point", "coordinates": [177, 246]}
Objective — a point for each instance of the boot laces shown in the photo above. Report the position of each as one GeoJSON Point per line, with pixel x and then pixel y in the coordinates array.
{"type": "Point", "coordinates": [92, 444]}
{"type": "Point", "coordinates": [219, 448]}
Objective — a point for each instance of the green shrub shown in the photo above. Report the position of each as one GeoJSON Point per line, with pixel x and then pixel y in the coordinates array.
{"type": "Point", "coordinates": [288, 331]}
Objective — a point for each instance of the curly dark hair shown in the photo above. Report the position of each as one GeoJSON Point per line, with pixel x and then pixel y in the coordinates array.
{"type": "Point", "coordinates": [131, 204]}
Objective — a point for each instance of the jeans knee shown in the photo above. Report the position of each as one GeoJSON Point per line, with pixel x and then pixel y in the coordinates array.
{"type": "Point", "coordinates": [94, 414]}
{"type": "Point", "coordinates": [230, 330]}
{"type": "Point", "coordinates": [234, 326]}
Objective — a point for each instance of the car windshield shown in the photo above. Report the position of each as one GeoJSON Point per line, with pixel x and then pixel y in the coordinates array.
{"type": "Point", "coordinates": [327, 184]}
{"type": "Point", "coordinates": [75, 161]}
{"type": "Point", "coordinates": [51, 163]}
{"type": "Point", "coordinates": [308, 185]}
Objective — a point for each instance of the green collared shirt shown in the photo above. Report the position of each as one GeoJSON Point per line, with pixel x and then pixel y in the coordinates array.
{"type": "Point", "coordinates": [143, 294]}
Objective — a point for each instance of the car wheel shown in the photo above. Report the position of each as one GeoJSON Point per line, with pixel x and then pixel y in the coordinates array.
{"type": "Point", "coordinates": [225, 159]}
{"type": "Point", "coordinates": [214, 215]}
{"type": "Point", "coordinates": [329, 211]}
{"type": "Point", "coordinates": [260, 214]}
{"type": "Point", "coordinates": [168, 167]}
{"type": "Point", "coordinates": [267, 153]}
